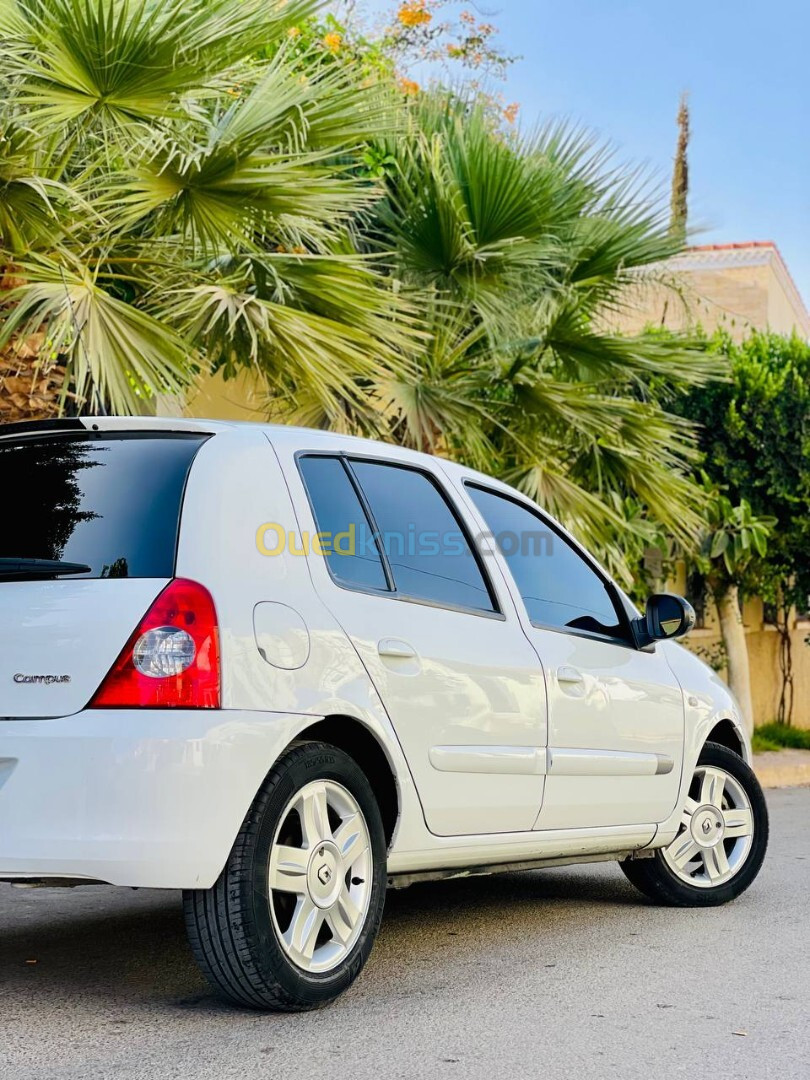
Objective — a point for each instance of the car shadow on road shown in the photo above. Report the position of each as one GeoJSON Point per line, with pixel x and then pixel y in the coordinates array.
{"type": "Point", "coordinates": [131, 946]}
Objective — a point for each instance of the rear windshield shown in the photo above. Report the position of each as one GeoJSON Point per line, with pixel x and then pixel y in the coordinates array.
{"type": "Point", "coordinates": [109, 500]}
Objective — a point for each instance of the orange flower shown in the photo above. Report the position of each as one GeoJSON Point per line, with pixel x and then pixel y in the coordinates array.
{"type": "Point", "coordinates": [511, 112]}
{"type": "Point", "coordinates": [414, 13]}
{"type": "Point", "coordinates": [333, 41]}
{"type": "Point", "coordinates": [294, 32]}
{"type": "Point", "coordinates": [409, 87]}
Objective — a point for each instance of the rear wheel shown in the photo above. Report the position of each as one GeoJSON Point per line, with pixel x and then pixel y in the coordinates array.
{"type": "Point", "coordinates": [721, 841]}
{"type": "Point", "coordinates": [292, 919]}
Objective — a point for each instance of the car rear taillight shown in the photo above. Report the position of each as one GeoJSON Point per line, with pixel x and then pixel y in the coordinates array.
{"type": "Point", "coordinates": [172, 659]}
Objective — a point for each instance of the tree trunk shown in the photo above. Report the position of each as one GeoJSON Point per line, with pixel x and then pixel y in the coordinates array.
{"type": "Point", "coordinates": [29, 388]}
{"type": "Point", "coordinates": [784, 712]}
{"type": "Point", "coordinates": [733, 631]}
{"type": "Point", "coordinates": [31, 380]}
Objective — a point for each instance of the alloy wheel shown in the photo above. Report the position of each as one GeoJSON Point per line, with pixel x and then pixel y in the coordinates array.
{"type": "Point", "coordinates": [320, 876]}
{"type": "Point", "coordinates": [716, 833]}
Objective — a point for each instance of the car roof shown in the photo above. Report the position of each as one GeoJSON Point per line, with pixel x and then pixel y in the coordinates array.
{"type": "Point", "coordinates": [299, 438]}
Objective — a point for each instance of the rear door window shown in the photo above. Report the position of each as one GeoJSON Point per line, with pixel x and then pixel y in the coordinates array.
{"type": "Point", "coordinates": [109, 500]}
{"type": "Point", "coordinates": [430, 556]}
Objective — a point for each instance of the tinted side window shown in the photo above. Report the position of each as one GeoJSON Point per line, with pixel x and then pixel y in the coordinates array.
{"type": "Point", "coordinates": [429, 555]}
{"type": "Point", "coordinates": [110, 501]}
{"type": "Point", "coordinates": [558, 587]}
{"type": "Point", "coordinates": [351, 553]}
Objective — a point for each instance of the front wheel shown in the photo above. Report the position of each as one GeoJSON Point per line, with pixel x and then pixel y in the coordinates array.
{"type": "Point", "coordinates": [292, 918]}
{"type": "Point", "coordinates": [721, 841]}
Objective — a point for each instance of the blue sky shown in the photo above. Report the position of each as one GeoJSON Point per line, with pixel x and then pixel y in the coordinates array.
{"type": "Point", "coordinates": [618, 66]}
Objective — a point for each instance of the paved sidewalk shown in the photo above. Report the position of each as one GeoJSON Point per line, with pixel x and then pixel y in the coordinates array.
{"type": "Point", "coordinates": [783, 768]}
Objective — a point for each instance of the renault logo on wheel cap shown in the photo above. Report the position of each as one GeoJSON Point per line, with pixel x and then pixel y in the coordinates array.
{"type": "Point", "coordinates": [324, 875]}
{"type": "Point", "coordinates": [707, 826]}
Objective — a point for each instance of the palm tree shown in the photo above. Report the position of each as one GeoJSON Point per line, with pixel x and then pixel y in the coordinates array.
{"type": "Point", "coordinates": [178, 189]}
{"type": "Point", "coordinates": [521, 250]}
{"type": "Point", "coordinates": [183, 187]}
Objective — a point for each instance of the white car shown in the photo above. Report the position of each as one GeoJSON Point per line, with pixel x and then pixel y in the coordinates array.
{"type": "Point", "coordinates": [283, 670]}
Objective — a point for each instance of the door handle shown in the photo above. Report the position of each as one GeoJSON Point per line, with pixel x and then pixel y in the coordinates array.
{"type": "Point", "coordinates": [399, 650]}
{"type": "Point", "coordinates": [569, 675]}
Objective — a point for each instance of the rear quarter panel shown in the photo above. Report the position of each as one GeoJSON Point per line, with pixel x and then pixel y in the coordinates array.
{"type": "Point", "coordinates": [235, 489]}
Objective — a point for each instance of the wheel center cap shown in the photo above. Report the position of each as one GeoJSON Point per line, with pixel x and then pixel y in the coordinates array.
{"type": "Point", "coordinates": [325, 874]}
{"type": "Point", "coordinates": [708, 827]}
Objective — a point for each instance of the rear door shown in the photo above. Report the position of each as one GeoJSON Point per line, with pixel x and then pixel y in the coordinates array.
{"type": "Point", "coordinates": [108, 503]}
{"type": "Point", "coordinates": [455, 672]}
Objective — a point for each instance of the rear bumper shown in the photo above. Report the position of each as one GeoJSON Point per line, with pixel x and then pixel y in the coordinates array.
{"type": "Point", "coordinates": [132, 797]}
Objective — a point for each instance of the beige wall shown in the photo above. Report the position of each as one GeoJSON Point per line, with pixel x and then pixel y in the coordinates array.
{"type": "Point", "coordinates": [735, 298]}
{"type": "Point", "coordinates": [782, 314]}
{"type": "Point", "coordinates": [240, 398]}
{"type": "Point", "coordinates": [763, 656]}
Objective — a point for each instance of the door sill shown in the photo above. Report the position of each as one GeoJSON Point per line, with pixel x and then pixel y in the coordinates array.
{"type": "Point", "coordinates": [402, 881]}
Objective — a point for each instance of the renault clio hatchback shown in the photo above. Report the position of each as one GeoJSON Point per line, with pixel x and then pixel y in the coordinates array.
{"type": "Point", "coordinates": [282, 670]}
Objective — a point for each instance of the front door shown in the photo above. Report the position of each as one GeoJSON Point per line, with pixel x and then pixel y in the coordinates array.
{"type": "Point", "coordinates": [615, 713]}
{"type": "Point", "coordinates": [460, 681]}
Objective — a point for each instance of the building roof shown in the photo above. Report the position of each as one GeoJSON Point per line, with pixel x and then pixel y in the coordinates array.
{"type": "Point", "coordinates": [748, 253]}
{"type": "Point", "coordinates": [734, 247]}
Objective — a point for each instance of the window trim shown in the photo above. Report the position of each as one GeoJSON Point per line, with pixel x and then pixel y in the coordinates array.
{"type": "Point", "coordinates": [585, 557]}
{"type": "Point", "coordinates": [340, 582]}
{"type": "Point", "coordinates": [392, 593]}
{"type": "Point", "coordinates": [365, 506]}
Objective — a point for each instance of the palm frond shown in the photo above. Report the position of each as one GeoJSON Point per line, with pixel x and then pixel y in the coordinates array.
{"type": "Point", "coordinates": [320, 107]}
{"type": "Point", "coordinates": [114, 353]}
{"type": "Point", "coordinates": [133, 60]}
{"type": "Point", "coordinates": [545, 480]}
{"type": "Point", "coordinates": [439, 407]}
{"type": "Point", "coordinates": [579, 350]}
{"type": "Point", "coordinates": [343, 288]}
{"type": "Point", "coordinates": [469, 213]}
{"type": "Point", "coordinates": [222, 199]}
{"type": "Point", "coordinates": [300, 351]}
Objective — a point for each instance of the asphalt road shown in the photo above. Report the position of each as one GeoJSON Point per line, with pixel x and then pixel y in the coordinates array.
{"type": "Point", "coordinates": [556, 973]}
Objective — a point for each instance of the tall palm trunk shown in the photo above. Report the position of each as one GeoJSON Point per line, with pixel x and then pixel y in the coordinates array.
{"type": "Point", "coordinates": [733, 632]}
{"type": "Point", "coordinates": [29, 388]}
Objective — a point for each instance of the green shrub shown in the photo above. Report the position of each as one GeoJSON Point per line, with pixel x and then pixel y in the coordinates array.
{"type": "Point", "coordinates": [778, 736]}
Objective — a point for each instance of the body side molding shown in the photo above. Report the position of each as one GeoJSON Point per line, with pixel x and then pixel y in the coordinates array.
{"type": "Point", "coordinates": [563, 761]}
{"type": "Point", "coordinates": [502, 760]}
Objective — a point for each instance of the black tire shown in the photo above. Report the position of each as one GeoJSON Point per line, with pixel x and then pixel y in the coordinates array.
{"type": "Point", "coordinates": [655, 878]}
{"type": "Point", "coordinates": [230, 926]}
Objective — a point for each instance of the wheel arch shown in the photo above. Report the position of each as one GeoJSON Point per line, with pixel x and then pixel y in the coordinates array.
{"type": "Point", "coordinates": [360, 743]}
{"type": "Point", "coordinates": [726, 734]}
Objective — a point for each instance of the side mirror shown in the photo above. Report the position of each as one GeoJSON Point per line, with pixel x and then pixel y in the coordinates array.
{"type": "Point", "coordinates": [668, 616]}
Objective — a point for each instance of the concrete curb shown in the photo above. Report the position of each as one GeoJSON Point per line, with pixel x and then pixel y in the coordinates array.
{"type": "Point", "coordinates": [783, 768]}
